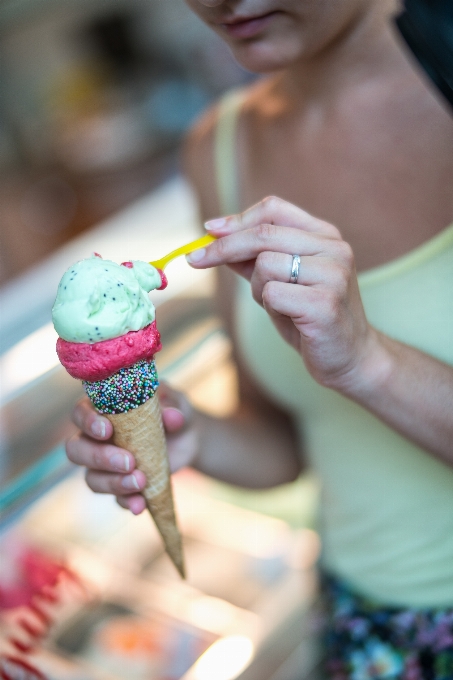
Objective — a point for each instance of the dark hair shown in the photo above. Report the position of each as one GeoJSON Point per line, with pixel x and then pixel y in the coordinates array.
{"type": "Point", "coordinates": [427, 28]}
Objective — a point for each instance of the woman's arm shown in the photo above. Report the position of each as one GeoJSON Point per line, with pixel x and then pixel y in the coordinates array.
{"type": "Point", "coordinates": [322, 316]}
{"type": "Point", "coordinates": [409, 390]}
{"type": "Point", "coordinates": [247, 450]}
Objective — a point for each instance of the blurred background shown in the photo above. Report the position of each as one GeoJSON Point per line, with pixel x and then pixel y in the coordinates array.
{"type": "Point", "coordinates": [96, 96]}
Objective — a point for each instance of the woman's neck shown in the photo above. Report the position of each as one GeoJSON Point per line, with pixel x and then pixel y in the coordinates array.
{"type": "Point", "coordinates": [366, 50]}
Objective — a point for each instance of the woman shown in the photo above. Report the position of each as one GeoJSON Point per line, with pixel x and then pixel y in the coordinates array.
{"type": "Point", "coordinates": [344, 127]}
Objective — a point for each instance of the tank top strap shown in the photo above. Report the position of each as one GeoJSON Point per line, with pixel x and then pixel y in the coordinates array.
{"type": "Point", "coordinates": [225, 147]}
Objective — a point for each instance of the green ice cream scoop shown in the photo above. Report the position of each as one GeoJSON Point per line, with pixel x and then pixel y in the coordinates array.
{"type": "Point", "coordinates": [99, 299]}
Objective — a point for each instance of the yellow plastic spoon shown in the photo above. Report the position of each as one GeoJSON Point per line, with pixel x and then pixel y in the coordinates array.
{"type": "Point", "coordinates": [183, 250]}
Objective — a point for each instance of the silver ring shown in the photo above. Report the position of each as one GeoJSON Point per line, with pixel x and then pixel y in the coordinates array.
{"type": "Point", "coordinates": [295, 269]}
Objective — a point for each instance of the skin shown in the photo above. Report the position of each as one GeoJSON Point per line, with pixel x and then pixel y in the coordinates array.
{"type": "Point", "coordinates": [346, 127]}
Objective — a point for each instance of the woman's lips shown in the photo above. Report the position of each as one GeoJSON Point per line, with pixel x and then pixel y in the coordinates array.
{"type": "Point", "coordinates": [248, 28]}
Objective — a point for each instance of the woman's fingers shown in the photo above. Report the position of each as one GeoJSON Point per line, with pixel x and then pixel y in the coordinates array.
{"type": "Point", "coordinates": [271, 210]}
{"type": "Point", "coordinates": [300, 303]}
{"type": "Point", "coordinates": [110, 469]}
{"type": "Point", "coordinates": [321, 314]}
{"type": "Point", "coordinates": [313, 271]}
{"type": "Point", "coordinates": [135, 503]}
{"type": "Point", "coordinates": [272, 225]}
{"type": "Point", "coordinates": [90, 422]}
{"type": "Point", "coordinates": [84, 451]}
{"type": "Point", "coordinates": [173, 420]}
{"type": "Point", "coordinates": [247, 245]}
{"type": "Point", "coordinates": [271, 267]}
{"type": "Point", "coordinates": [118, 485]}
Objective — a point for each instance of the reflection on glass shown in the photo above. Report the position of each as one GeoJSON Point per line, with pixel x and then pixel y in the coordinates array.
{"type": "Point", "coordinates": [225, 659]}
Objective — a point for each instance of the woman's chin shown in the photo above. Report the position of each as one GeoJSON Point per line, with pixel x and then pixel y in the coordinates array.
{"type": "Point", "coordinates": [263, 57]}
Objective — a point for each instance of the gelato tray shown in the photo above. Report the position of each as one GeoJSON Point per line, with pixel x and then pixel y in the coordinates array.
{"type": "Point", "coordinates": [114, 639]}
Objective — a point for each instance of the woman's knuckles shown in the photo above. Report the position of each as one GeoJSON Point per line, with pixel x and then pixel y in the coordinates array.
{"type": "Point", "coordinates": [222, 250]}
{"type": "Point", "coordinates": [330, 231]}
{"type": "Point", "coordinates": [271, 295]}
{"type": "Point", "coordinates": [340, 278]}
{"type": "Point", "coordinates": [271, 206]}
{"type": "Point", "coordinates": [269, 264]}
{"type": "Point", "coordinates": [328, 308]}
{"type": "Point", "coordinates": [265, 234]}
{"type": "Point", "coordinates": [345, 254]}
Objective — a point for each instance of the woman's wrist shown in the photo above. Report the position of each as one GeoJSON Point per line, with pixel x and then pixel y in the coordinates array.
{"type": "Point", "coordinates": [372, 371]}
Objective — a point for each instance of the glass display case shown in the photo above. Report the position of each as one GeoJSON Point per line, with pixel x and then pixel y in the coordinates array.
{"type": "Point", "coordinates": [86, 591]}
{"type": "Point", "coordinates": [96, 96]}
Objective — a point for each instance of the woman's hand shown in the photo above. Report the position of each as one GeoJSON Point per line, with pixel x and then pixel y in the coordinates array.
{"type": "Point", "coordinates": [322, 314]}
{"type": "Point", "coordinates": [111, 469]}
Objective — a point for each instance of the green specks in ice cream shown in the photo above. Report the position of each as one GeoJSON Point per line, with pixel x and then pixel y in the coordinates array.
{"type": "Point", "coordinates": [99, 300]}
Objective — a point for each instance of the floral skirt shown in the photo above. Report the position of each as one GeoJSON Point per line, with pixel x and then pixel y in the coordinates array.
{"type": "Point", "coordinates": [367, 642]}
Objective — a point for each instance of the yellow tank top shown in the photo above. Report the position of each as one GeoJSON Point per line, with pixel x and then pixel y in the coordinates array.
{"type": "Point", "coordinates": [386, 510]}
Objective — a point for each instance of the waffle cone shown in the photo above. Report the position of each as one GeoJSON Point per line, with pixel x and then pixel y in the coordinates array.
{"type": "Point", "coordinates": [141, 432]}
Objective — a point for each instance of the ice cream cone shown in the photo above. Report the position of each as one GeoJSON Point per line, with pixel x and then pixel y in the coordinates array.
{"type": "Point", "coordinates": [108, 338]}
{"type": "Point", "coordinates": [141, 432]}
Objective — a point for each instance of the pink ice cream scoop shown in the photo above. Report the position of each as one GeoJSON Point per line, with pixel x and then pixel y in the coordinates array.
{"type": "Point", "coordinates": [100, 360]}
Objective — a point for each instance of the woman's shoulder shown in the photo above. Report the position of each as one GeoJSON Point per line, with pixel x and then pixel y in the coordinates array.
{"type": "Point", "coordinates": [198, 161]}
{"type": "Point", "coordinates": [250, 98]}
{"type": "Point", "coordinates": [199, 143]}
